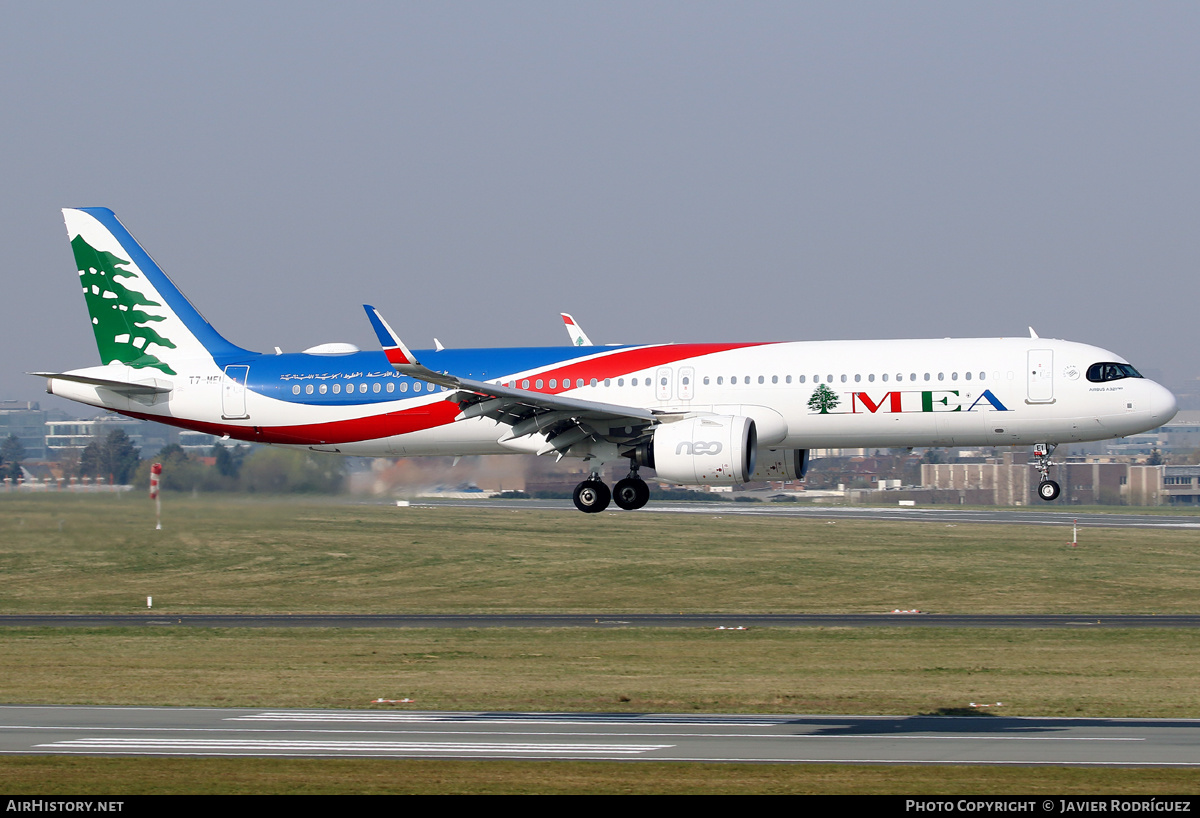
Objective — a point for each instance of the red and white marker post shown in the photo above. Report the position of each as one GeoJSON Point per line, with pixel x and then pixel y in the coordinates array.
{"type": "Point", "coordinates": [155, 473]}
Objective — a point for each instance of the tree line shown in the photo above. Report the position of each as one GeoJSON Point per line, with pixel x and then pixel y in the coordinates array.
{"type": "Point", "coordinates": [264, 470]}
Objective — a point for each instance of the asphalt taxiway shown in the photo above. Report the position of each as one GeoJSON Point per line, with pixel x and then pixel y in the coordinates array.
{"type": "Point", "coordinates": [398, 733]}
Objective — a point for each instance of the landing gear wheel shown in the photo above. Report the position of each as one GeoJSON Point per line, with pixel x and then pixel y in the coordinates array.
{"type": "Point", "coordinates": [631, 493]}
{"type": "Point", "coordinates": [1048, 490]}
{"type": "Point", "coordinates": [591, 496]}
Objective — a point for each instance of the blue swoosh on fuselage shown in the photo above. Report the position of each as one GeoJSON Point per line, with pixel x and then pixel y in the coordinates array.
{"type": "Point", "coordinates": [274, 376]}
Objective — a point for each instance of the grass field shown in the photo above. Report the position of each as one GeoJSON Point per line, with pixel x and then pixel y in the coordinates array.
{"type": "Point", "coordinates": [73, 553]}
{"type": "Point", "coordinates": [62, 554]}
{"type": "Point", "coordinates": [153, 776]}
{"type": "Point", "coordinates": [888, 671]}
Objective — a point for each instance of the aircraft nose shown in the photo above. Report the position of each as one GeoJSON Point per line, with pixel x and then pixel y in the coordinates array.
{"type": "Point", "coordinates": [1162, 403]}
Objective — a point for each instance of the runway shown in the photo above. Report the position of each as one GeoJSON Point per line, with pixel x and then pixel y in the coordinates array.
{"type": "Point", "coordinates": [141, 731]}
{"type": "Point", "coordinates": [929, 514]}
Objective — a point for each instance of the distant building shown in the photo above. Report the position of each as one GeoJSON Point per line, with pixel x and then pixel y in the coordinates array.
{"type": "Point", "coordinates": [27, 420]}
{"type": "Point", "coordinates": [1180, 485]}
{"type": "Point", "coordinates": [1182, 434]}
{"type": "Point", "coordinates": [199, 443]}
{"type": "Point", "coordinates": [77, 434]}
{"type": "Point", "coordinates": [1087, 481]}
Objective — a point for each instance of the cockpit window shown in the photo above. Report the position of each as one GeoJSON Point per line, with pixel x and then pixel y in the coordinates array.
{"type": "Point", "coordinates": [1100, 373]}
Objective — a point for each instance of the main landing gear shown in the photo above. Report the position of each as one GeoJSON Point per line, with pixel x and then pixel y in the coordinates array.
{"type": "Point", "coordinates": [1047, 489]}
{"type": "Point", "coordinates": [592, 496]}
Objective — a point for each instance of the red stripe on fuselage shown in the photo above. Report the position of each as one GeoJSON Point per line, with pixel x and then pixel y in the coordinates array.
{"type": "Point", "coordinates": [371, 427]}
{"type": "Point", "coordinates": [622, 363]}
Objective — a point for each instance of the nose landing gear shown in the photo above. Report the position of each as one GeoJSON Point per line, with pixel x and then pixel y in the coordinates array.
{"type": "Point", "coordinates": [1047, 489]}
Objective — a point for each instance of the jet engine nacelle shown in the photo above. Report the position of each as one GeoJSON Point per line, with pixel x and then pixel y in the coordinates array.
{"type": "Point", "coordinates": [780, 464]}
{"type": "Point", "coordinates": [715, 450]}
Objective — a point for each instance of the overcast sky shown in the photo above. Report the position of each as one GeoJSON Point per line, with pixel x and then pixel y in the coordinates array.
{"type": "Point", "coordinates": [664, 171]}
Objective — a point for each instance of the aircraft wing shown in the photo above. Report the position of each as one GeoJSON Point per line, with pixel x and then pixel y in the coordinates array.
{"type": "Point", "coordinates": [564, 421]}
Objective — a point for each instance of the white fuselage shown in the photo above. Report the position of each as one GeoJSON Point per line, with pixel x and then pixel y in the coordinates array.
{"type": "Point", "coordinates": [903, 393]}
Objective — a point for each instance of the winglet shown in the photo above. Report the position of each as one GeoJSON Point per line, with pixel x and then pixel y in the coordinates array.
{"type": "Point", "coordinates": [395, 350]}
{"type": "Point", "coordinates": [1032, 334]}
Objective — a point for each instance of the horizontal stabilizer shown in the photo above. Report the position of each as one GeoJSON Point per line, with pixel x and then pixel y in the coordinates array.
{"type": "Point", "coordinates": [152, 386]}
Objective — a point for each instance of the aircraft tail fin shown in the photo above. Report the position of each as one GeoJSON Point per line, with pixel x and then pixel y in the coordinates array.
{"type": "Point", "coordinates": [578, 336]}
{"type": "Point", "coordinates": [139, 317]}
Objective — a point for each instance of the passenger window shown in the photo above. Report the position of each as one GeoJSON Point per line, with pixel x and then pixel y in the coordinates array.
{"type": "Point", "coordinates": [296, 389]}
{"type": "Point", "coordinates": [403, 386]}
{"type": "Point", "coordinates": [308, 390]}
{"type": "Point", "coordinates": [538, 383]}
{"type": "Point", "coordinates": [391, 387]}
{"type": "Point", "coordinates": [375, 387]}
{"type": "Point", "coordinates": [337, 389]}
{"type": "Point", "coordinates": [323, 389]}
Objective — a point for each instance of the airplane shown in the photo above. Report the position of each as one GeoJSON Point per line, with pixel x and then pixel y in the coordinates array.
{"type": "Point", "coordinates": [697, 413]}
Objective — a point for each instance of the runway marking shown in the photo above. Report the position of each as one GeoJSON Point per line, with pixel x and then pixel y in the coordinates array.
{"type": "Point", "coordinates": [571, 733]}
{"type": "Point", "coordinates": [421, 718]}
{"type": "Point", "coordinates": [145, 745]}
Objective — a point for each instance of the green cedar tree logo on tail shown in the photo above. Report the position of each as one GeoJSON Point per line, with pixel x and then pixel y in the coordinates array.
{"type": "Point", "coordinates": [122, 330]}
{"type": "Point", "coordinates": [823, 399]}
